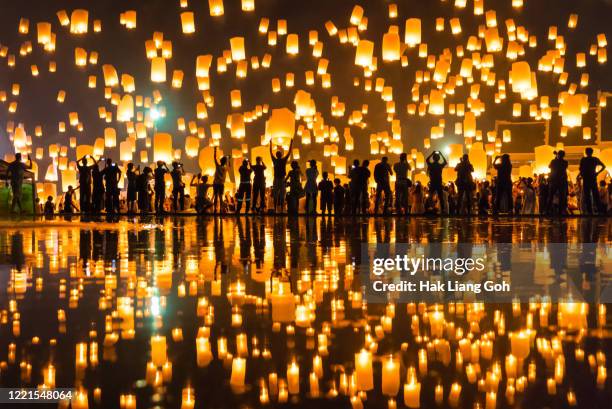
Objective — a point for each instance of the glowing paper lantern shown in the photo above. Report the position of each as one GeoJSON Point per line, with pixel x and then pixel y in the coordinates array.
{"type": "Point", "coordinates": [237, 46]}
{"type": "Point", "coordinates": [187, 22]}
{"type": "Point", "coordinates": [543, 155]}
{"type": "Point", "coordinates": [281, 125]}
{"type": "Point", "coordinates": [111, 79]}
{"type": "Point", "coordinates": [79, 21]}
{"type": "Point", "coordinates": [391, 46]}
{"type": "Point", "coordinates": [44, 32]}
{"type": "Point", "coordinates": [192, 146]}
{"type": "Point", "coordinates": [520, 76]}
{"type": "Point", "coordinates": [216, 7]}
{"type": "Point", "coordinates": [412, 34]}
{"type": "Point", "coordinates": [125, 110]}
{"type": "Point", "coordinates": [478, 158]}
{"type": "Point", "coordinates": [158, 69]}
{"type": "Point", "coordinates": [162, 147]}
{"type": "Point", "coordinates": [364, 53]}
{"type": "Point", "coordinates": [293, 45]}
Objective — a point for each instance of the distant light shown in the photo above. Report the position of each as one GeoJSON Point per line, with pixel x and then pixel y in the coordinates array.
{"type": "Point", "coordinates": [447, 150]}
{"type": "Point", "coordinates": [154, 114]}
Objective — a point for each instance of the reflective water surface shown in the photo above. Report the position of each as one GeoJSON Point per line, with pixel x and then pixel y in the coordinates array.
{"type": "Point", "coordinates": [215, 313]}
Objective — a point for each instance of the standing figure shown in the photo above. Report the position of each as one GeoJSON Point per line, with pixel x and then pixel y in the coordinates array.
{"type": "Point", "coordinates": [244, 189]}
{"type": "Point", "coordinates": [503, 187]}
{"type": "Point", "coordinates": [259, 185]}
{"type": "Point", "coordinates": [353, 193]}
{"type": "Point", "coordinates": [339, 198]}
{"type": "Point", "coordinates": [557, 183]}
{"type": "Point", "coordinates": [312, 173]}
{"type": "Point", "coordinates": [112, 176]}
{"type": "Point", "coordinates": [402, 184]}
{"type": "Point", "coordinates": [203, 203]}
{"type": "Point", "coordinates": [131, 174]}
{"type": "Point", "coordinates": [382, 171]}
{"type": "Point", "coordinates": [589, 172]}
{"type": "Point", "coordinates": [279, 187]}
{"type": "Point", "coordinates": [326, 187]}
{"type": "Point", "coordinates": [97, 197]}
{"type": "Point", "coordinates": [143, 190]}
{"type": "Point", "coordinates": [159, 186]}
{"type": "Point", "coordinates": [434, 170]}
{"type": "Point", "coordinates": [465, 184]}
{"type": "Point", "coordinates": [16, 173]}
{"type": "Point", "coordinates": [363, 182]}
{"type": "Point", "coordinates": [221, 169]}
{"type": "Point", "coordinates": [178, 186]}
{"type": "Point", "coordinates": [85, 184]}
{"type": "Point", "coordinates": [296, 191]}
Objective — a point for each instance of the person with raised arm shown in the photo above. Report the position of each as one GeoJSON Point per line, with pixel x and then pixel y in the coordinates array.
{"type": "Point", "coordinates": [436, 162]}
{"type": "Point", "coordinates": [279, 186]}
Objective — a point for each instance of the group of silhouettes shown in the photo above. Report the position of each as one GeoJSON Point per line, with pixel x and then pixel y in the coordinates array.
{"type": "Point", "coordinates": [146, 188]}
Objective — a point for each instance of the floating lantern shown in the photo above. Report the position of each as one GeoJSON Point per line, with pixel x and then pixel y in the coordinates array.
{"type": "Point", "coordinates": [364, 53]}
{"type": "Point", "coordinates": [162, 147]}
{"type": "Point", "coordinates": [187, 22]}
{"type": "Point", "coordinates": [79, 21]}
{"type": "Point", "coordinates": [237, 46]}
{"type": "Point", "coordinates": [158, 69]}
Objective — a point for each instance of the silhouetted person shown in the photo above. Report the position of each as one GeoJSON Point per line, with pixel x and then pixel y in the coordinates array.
{"type": "Point", "coordinates": [326, 187]}
{"type": "Point", "coordinates": [503, 187]}
{"type": "Point", "coordinates": [112, 176]}
{"type": "Point", "coordinates": [542, 194]}
{"type": "Point", "coordinates": [465, 184]}
{"type": "Point", "coordinates": [557, 182]}
{"type": "Point", "coordinates": [588, 173]}
{"type": "Point", "coordinates": [221, 169]}
{"type": "Point", "coordinates": [353, 193]}
{"type": "Point", "coordinates": [49, 208]}
{"type": "Point", "coordinates": [69, 204]}
{"type": "Point", "coordinates": [244, 189]}
{"type": "Point", "coordinates": [312, 173]}
{"type": "Point", "coordinates": [159, 184]}
{"type": "Point", "coordinates": [294, 177]}
{"type": "Point", "coordinates": [85, 184]}
{"type": "Point", "coordinates": [97, 196]}
{"type": "Point", "coordinates": [178, 186]}
{"type": "Point", "coordinates": [279, 187]}
{"type": "Point", "coordinates": [202, 202]}
{"type": "Point", "coordinates": [363, 181]}
{"type": "Point", "coordinates": [402, 184]}
{"type": "Point", "coordinates": [16, 173]}
{"type": "Point", "coordinates": [131, 175]}
{"type": "Point", "coordinates": [259, 185]}
{"type": "Point", "coordinates": [382, 171]}
{"type": "Point", "coordinates": [339, 198]}
{"type": "Point", "coordinates": [142, 189]}
{"type": "Point", "coordinates": [434, 170]}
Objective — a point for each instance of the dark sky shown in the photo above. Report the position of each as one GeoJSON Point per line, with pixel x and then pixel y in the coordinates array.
{"type": "Point", "coordinates": [125, 50]}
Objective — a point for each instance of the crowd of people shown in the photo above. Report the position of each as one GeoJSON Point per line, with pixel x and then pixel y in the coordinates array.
{"type": "Point", "coordinates": [313, 192]}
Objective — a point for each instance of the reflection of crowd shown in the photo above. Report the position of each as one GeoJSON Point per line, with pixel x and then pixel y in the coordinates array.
{"type": "Point", "coordinates": [295, 191]}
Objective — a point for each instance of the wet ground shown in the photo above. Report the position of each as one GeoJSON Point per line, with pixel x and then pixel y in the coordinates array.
{"type": "Point", "coordinates": [166, 312]}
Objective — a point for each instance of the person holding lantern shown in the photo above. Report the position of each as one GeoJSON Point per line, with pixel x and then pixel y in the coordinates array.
{"type": "Point", "coordinates": [279, 187]}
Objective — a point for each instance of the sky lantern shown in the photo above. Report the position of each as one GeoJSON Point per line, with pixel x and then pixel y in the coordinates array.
{"type": "Point", "coordinates": [216, 7]}
{"type": "Point", "coordinates": [543, 155]}
{"type": "Point", "coordinates": [478, 158]}
{"type": "Point", "coordinates": [356, 15]}
{"type": "Point", "coordinates": [293, 45]}
{"type": "Point", "coordinates": [63, 18]}
{"type": "Point", "coordinates": [111, 79]}
{"type": "Point", "coordinates": [364, 53]}
{"type": "Point", "coordinates": [43, 30]}
{"type": "Point", "coordinates": [158, 69]}
{"type": "Point", "coordinates": [192, 146]}
{"type": "Point", "coordinates": [237, 46]}
{"type": "Point", "coordinates": [391, 45]}
{"type": "Point", "coordinates": [110, 137]}
{"type": "Point", "coordinates": [125, 110]}
{"type": "Point", "coordinates": [203, 63]}
{"type": "Point", "coordinates": [520, 76]}
{"type": "Point", "coordinates": [571, 109]}
{"type": "Point", "coordinates": [187, 22]}
{"type": "Point", "coordinates": [281, 126]}
{"type": "Point", "coordinates": [162, 147]}
{"type": "Point", "coordinates": [412, 34]}
{"type": "Point", "coordinates": [79, 21]}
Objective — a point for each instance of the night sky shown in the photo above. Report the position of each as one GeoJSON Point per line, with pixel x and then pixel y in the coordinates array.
{"type": "Point", "coordinates": [126, 51]}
